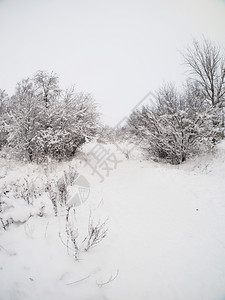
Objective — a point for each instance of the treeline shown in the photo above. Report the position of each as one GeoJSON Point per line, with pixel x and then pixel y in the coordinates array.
{"type": "Point", "coordinates": [41, 120]}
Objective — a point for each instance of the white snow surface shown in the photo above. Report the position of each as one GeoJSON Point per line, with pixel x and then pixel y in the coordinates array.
{"type": "Point", "coordinates": [165, 240]}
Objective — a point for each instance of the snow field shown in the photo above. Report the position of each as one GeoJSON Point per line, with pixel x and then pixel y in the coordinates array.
{"type": "Point", "coordinates": [165, 235]}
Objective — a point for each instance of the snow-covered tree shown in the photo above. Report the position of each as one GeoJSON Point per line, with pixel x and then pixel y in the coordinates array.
{"type": "Point", "coordinates": [75, 121]}
{"type": "Point", "coordinates": [25, 122]}
{"type": "Point", "coordinates": [206, 65]}
{"type": "Point", "coordinates": [177, 127]}
{"type": "Point", "coordinates": [45, 121]}
{"type": "Point", "coordinates": [3, 118]}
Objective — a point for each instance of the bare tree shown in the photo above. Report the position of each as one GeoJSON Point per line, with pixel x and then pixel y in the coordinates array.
{"type": "Point", "coordinates": [207, 65]}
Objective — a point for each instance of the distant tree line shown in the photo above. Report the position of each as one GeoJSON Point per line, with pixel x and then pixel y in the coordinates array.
{"type": "Point", "coordinates": [40, 120]}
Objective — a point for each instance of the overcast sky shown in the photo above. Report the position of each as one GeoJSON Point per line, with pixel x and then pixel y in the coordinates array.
{"type": "Point", "coordinates": [118, 50]}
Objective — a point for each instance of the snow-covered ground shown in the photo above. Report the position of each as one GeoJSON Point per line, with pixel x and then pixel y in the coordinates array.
{"type": "Point", "coordinates": [165, 239]}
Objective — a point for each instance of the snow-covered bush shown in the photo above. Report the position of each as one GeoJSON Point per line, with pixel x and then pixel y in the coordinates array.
{"type": "Point", "coordinates": [20, 199]}
{"type": "Point", "coordinates": [178, 126]}
{"type": "Point", "coordinates": [25, 189]}
{"type": "Point", "coordinates": [47, 122]}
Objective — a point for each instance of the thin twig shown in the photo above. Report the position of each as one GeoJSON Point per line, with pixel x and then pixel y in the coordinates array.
{"type": "Point", "coordinates": [75, 282]}
{"type": "Point", "coordinates": [46, 229]}
{"type": "Point", "coordinates": [65, 243]}
{"type": "Point", "coordinates": [7, 251]}
{"type": "Point", "coordinates": [82, 279]}
{"type": "Point", "coordinates": [111, 278]}
{"type": "Point", "coordinates": [100, 203]}
{"type": "Point", "coordinates": [6, 224]}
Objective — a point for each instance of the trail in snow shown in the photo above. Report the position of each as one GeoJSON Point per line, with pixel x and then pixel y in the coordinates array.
{"type": "Point", "coordinates": [167, 234]}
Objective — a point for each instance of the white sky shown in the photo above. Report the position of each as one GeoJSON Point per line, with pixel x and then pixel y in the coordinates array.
{"type": "Point", "coordinates": [118, 50]}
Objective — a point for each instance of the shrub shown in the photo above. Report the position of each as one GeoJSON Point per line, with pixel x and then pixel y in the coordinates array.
{"type": "Point", "coordinates": [177, 127]}
{"type": "Point", "coordinates": [47, 122]}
